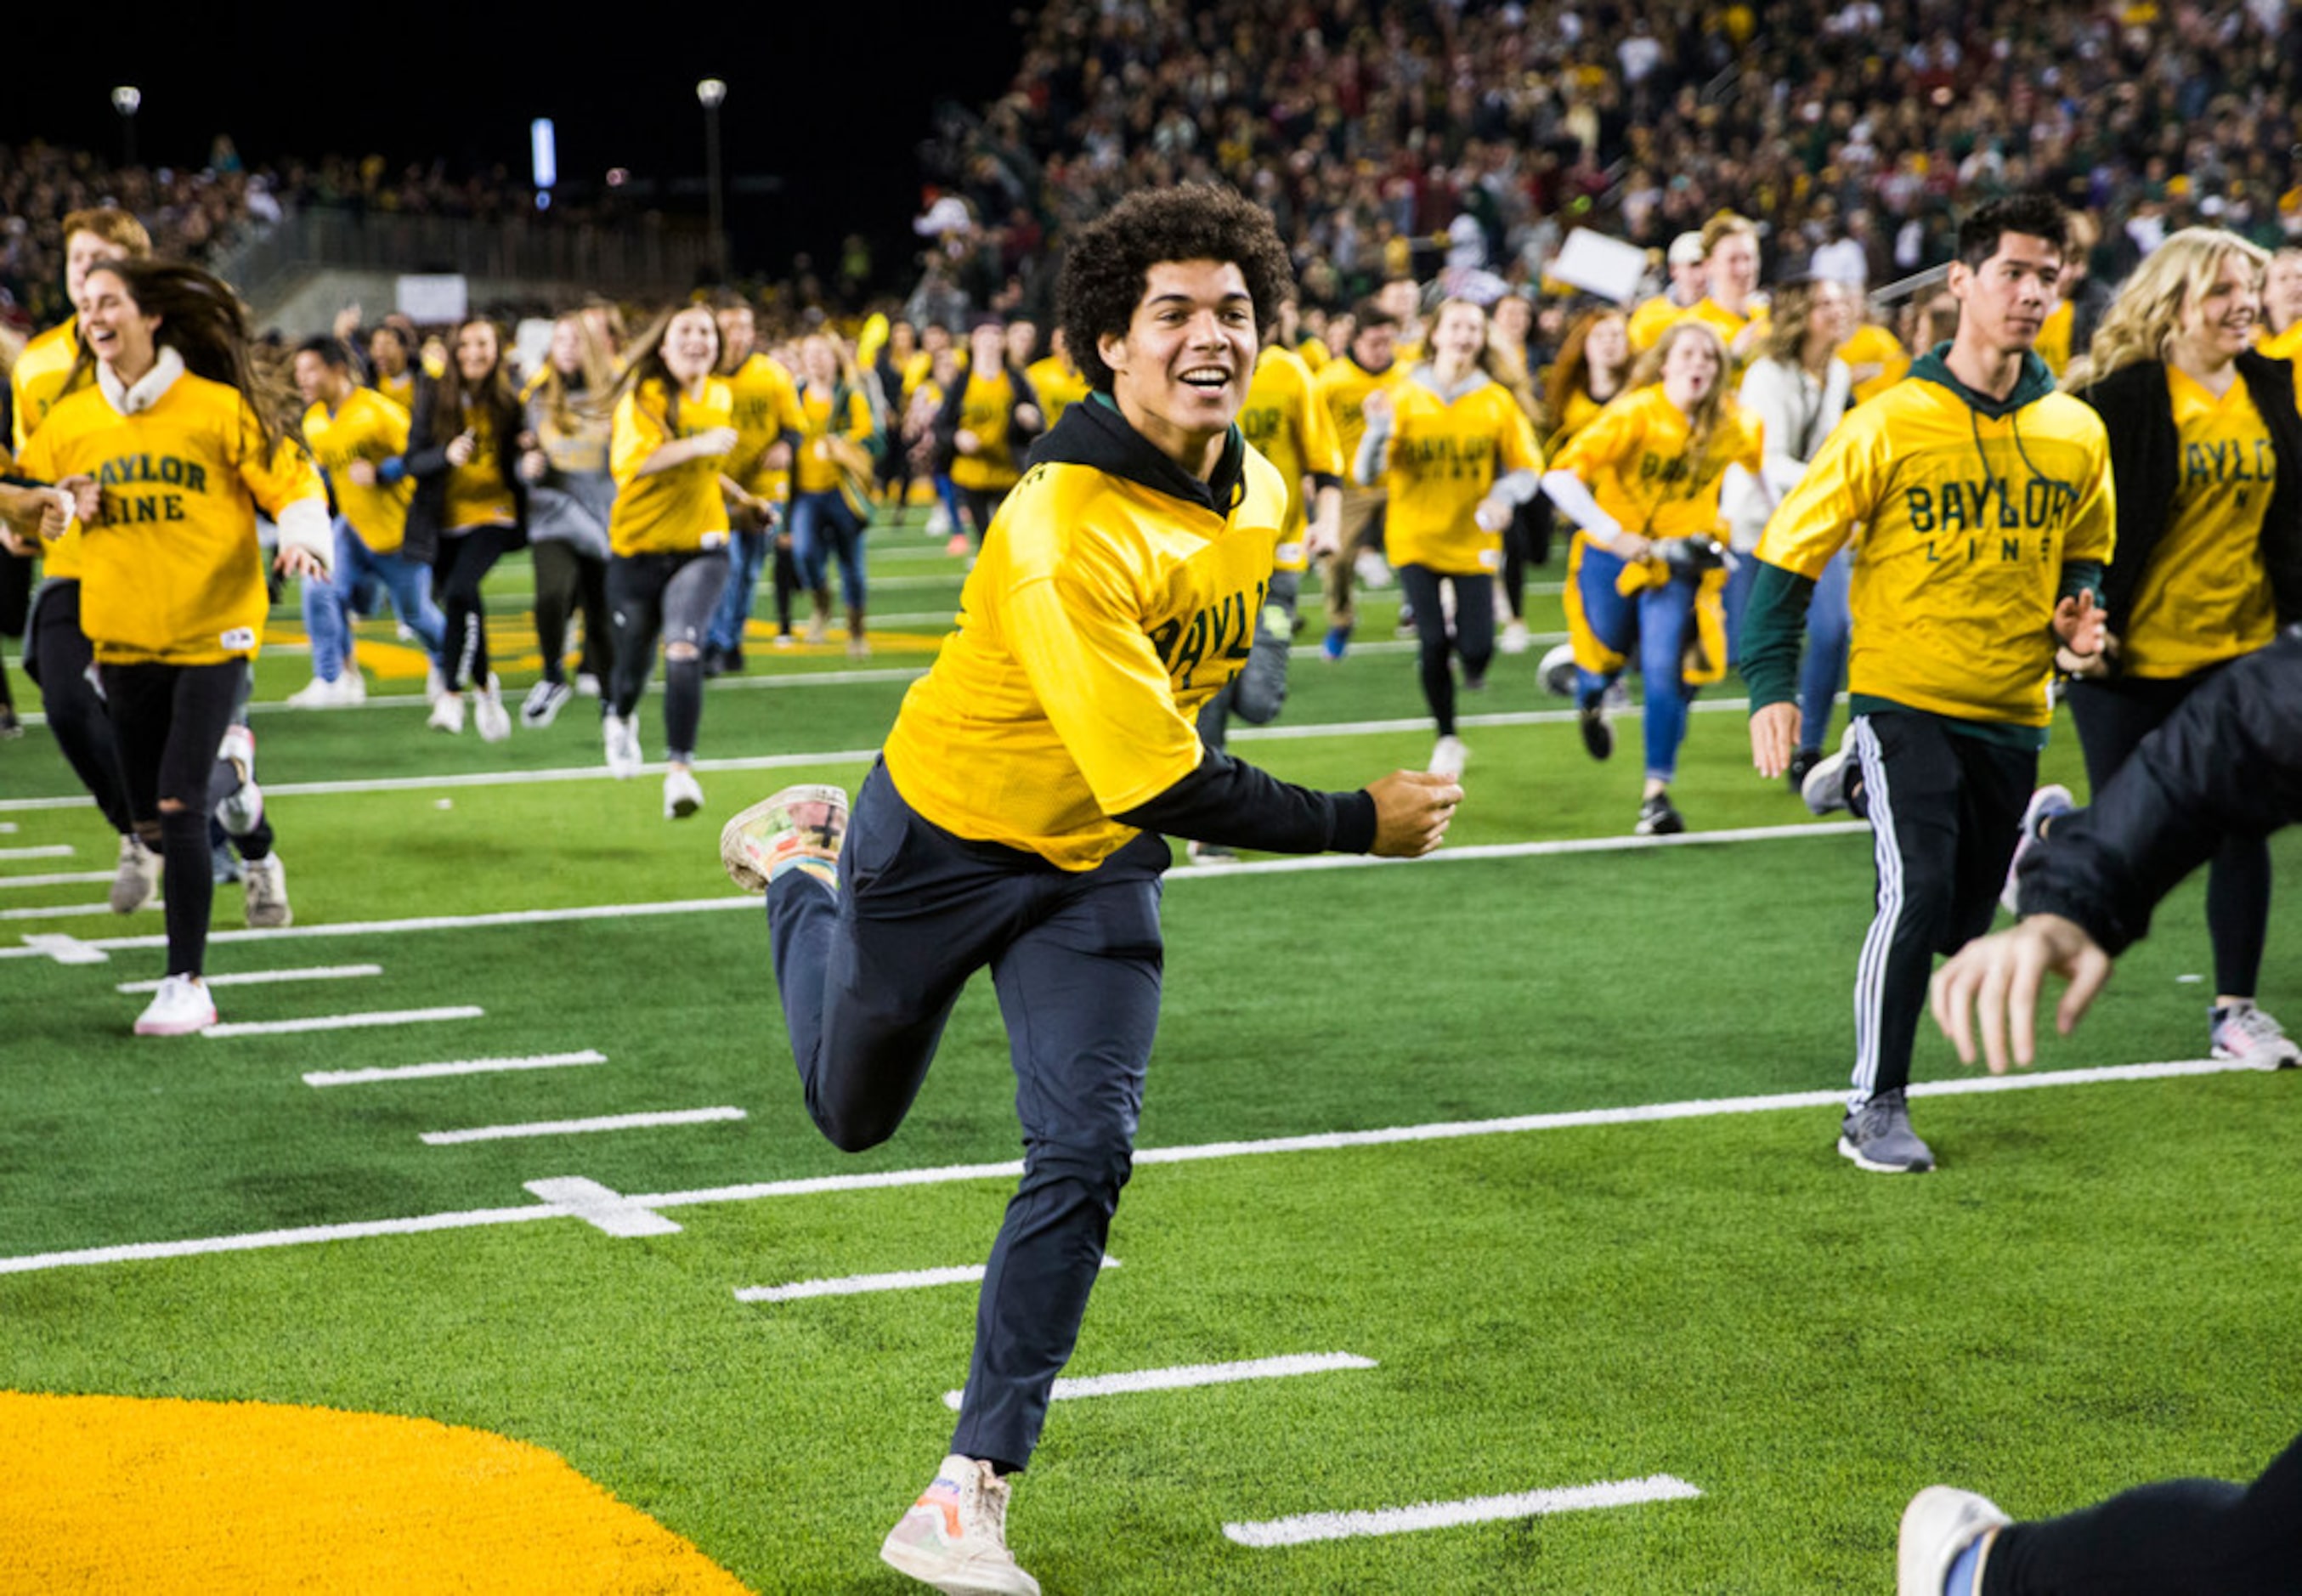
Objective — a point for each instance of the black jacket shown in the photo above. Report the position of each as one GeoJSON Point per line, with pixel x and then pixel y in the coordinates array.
{"type": "Point", "coordinates": [427, 463]}
{"type": "Point", "coordinates": [2228, 763]}
{"type": "Point", "coordinates": [2146, 459]}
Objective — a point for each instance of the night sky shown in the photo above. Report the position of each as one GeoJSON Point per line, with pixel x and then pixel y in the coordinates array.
{"type": "Point", "coordinates": [832, 98]}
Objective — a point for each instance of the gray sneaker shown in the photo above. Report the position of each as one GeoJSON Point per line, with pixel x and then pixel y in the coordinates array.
{"type": "Point", "coordinates": [1878, 1137]}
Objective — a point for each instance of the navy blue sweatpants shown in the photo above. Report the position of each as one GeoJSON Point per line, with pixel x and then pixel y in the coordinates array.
{"type": "Point", "coordinates": [869, 976]}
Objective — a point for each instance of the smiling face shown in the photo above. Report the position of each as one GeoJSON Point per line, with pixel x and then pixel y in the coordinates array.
{"type": "Point", "coordinates": [1179, 372]}
{"type": "Point", "coordinates": [119, 332]}
{"type": "Point", "coordinates": [2216, 325]}
{"type": "Point", "coordinates": [691, 346]}
{"type": "Point", "coordinates": [476, 351]}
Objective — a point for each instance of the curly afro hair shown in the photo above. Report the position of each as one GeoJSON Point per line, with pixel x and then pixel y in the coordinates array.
{"type": "Point", "coordinates": [1104, 271]}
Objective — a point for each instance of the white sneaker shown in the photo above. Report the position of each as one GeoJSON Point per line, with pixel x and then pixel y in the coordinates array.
{"type": "Point", "coordinates": [179, 1008]}
{"type": "Point", "coordinates": [448, 714]}
{"type": "Point", "coordinates": [543, 704]}
{"type": "Point", "coordinates": [683, 795]}
{"type": "Point", "coordinates": [1940, 1523]}
{"type": "Point", "coordinates": [1448, 755]}
{"type": "Point", "coordinates": [488, 714]}
{"type": "Point", "coordinates": [2046, 804]}
{"type": "Point", "coordinates": [241, 809]}
{"type": "Point", "coordinates": [817, 629]}
{"type": "Point", "coordinates": [939, 525]}
{"type": "Point", "coordinates": [954, 1538]}
{"type": "Point", "coordinates": [1825, 786]}
{"type": "Point", "coordinates": [621, 739]}
{"type": "Point", "coordinates": [318, 694]}
{"type": "Point", "coordinates": [435, 684]}
{"type": "Point", "coordinates": [587, 685]}
{"type": "Point", "coordinates": [1557, 671]}
{"type": "Point", "coordinates": [1371, 569]}
{"type": "Point", "coordinates": [1213, 854]}
{"type": "Point", "coordinates": [351, 688]}
{"type": "Point", "coordinates": [1515, 638]}
{"type": "Point", "coordinates": [859, 648]}
{"type": "Point", "coordinates": [265, 882]}
{"type": "Point", "coordinates": [799, 828]}
{"type": "Point", "coordinates": [2246, 1035]}
{"type": "Point", "coordinates": [138, 876]}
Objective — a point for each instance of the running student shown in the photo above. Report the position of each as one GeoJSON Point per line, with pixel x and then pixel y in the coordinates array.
{"type": "Point", "coordinates": [1988, 506]}
{"type": "Point", "coordinates": [168, 458]}
{"type": "Point", "coordinates": [2207, 447]}
{"type": "Point", "coordinates": [1015, 819]}
{"type": "Point", "coordinates": [2228, 763]}
{"type": "Point", "coordinates": [668, 528]}
{"type": "Point", "coordinates": [1456, 455]}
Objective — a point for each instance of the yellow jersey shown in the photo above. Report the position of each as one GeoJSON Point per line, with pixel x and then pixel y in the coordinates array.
{"type": "Point", "coordinates": [1634, 457]}
{"type": "Point", "coordinates": [840, 414]}
{"type": "Point", "coordinates": [672, 510]}
{"type": "Point", "coordinates": [1871, 344]}
{"type": "Point", "coordinates": [39, 376]}
{"type": "Point", "coordinates": [1971, 510]}
{"type": "Point", "coordinates": [986, 409]}
{"type": "Point", "coordinates": [399, 389]}
{"type": "Point", "coordinates": [2205, 596]}
{"type": "Point", "coordinates": [1342, 385]}
{"type": "Point", "coordinates": [1107, 607]}
{"type": "Point", "coordinates": [1284, 420]}
{"type": "Point", "coordinates": [1446, 456]}
{"type": "Point", "coordinates": [366, 426]}
{"type": "Point", "coordinates": [477, 494]}
{"type": "Point", "coordinates": [171, 572]}
{"type": "Point", "coordinates": [1648, 320]}
{"type": "Point", "coordinates": [2278, 346]}
{"type": "Point", "coordinates": [765, 402]}
{"type": "Point", "coordinates": [1059, 386]}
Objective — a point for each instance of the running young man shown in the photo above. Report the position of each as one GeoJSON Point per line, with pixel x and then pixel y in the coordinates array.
{"type": "Point", "coordinates": [1989, 504]}
{"type": "Point", "coordinates": [1015, 817]}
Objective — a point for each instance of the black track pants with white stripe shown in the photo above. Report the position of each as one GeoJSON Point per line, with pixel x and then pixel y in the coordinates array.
{"type": "Point", "coordinates": [1945, 807]}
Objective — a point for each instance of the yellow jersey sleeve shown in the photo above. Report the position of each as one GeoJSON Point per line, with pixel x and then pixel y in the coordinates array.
{"type": "Point", "coordinates": [38, 380]}
{"type": "Point", "coordinates": [676, 508]}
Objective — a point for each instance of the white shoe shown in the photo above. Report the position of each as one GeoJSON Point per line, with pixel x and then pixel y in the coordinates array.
{"type": "Point", "coordinates": [318, 694]}
{"type": "Point", "coordinates": [435, 684]}
{"type": "Point", "coordinates": [351, 688]}
{"type": "Point", "coordinates": [954, 1538]}
{"type": "Point", "coordinates": [1214, 854]}
{"type": "Point", "coordinates": [265, 882]}
{"type": "Point", "coordinates": [1557, 671]}
{"type": "Point", "coordinates": [939, 523]}
{"type": "Point", "coordinates": [138, 877]}
{"type": "Point", "coordinates": [1371, 569]}
{"type": "Point", "coordinates": [1515, 638]}
{"type": "Point", "coordinates": [2247, 1035]}
{"type": "Point", "coordinates": [683, 795]}
{"type": "Point", "coordinates": [2048, 803]}
{"type": "Point", "coordinates": [1448, 755]}
{"type": "Point", "coordinates": [543, 704]}
{"type": "Point", "coordinates": [1940, 1523]}
{"type": "Point", "coordinates": [240, 811]}
{"type": "Point", "coordinates": [179, 1008]}
{"type": "Point", "coordinates": [859, 648]}
{"type": "Point", "coordinates": [587, 685]}
{"type": "Point", "coordinates": [488, 714]}
{"type": "Point", "coordinates": [1825, 786]}
{"type": "Point", "coordinates": [448, 714]}
{"type": "Point", "coordinates": [621, 738]}
{"type": "Point", "coordinates": [817, 629]}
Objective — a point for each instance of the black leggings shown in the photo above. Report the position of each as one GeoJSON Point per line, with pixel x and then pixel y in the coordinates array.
{"type": "Point", "coordinates": [568, 579]}
{"type": "Point", "coordinates": [2112, 718]}
{"type": "Point", "coordinates": [463, 561]}
{"type": "Point", "coordinates": [1473, 637]}
{"type": "Point", "coordinates": [170, 719]}
{"type": "Point", "coordinates": [2178, 1538]}
{"type": "Point", "coordinates": [673, 595]}
{"type": "Point", "coordinates": [60, 655]}
{"type": "Point", "coordinates": [1526, 541]}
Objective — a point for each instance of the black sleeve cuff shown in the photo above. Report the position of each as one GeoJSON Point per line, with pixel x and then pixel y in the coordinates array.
{"type": "Point", "coordinates": [1236, 805]}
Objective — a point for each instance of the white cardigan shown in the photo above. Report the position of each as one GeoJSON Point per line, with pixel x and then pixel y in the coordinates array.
{"type": "Point", "coordinates": [1798, 412]}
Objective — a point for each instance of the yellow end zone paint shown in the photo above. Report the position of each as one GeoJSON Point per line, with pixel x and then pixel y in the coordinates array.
{"type": "Point", "coordinates": [117, 1493]}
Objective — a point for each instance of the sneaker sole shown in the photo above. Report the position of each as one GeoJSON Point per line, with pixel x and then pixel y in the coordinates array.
{"type": "Point", "coordinates": [956, 1582]}
{"type": "Point", "coordinates": [2286, 1061]}
{"type": "Point", "coordinates": [1849, 1151]}
{"type": "Point", "coordinates": [169, 1029]}
{"type": "Point", "coordinates": [732, 857]}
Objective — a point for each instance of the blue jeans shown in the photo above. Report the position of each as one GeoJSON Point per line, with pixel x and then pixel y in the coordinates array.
{"type": "Point", "coordinates": [328, 605]}
{"type": "Point", "coordinates": [747, 556]}
{"type": "Point", "coordinates": [823, 526]}
{"type": "Point", "coordinates": [868, 975]}
{"type": "Point", "coordinates": [1829, 624]}
{"type": "Point", "coordinates": [1653, 625]}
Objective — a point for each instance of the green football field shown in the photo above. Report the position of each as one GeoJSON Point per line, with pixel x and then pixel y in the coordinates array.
{"type": "Point", "coordinates": [1504, 1178]}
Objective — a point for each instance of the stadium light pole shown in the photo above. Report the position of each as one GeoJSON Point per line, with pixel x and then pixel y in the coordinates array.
{"type": "Point", "coordinates": [125, 99]}
{"type": "Point", "coordinates": [709, 93]}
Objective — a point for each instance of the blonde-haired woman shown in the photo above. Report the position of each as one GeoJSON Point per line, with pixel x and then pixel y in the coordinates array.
{"type": "Point", "coordinates": [1642, 483]}
{"type": "Point", "coordinates": [571, 493]}
{"type": "Point", "coordinates": [2206, 449]}
{"type": "Point", "coordinates": [1457, 454]}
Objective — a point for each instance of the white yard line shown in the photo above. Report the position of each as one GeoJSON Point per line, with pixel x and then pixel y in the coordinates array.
{"type": "Point", "coordinates": [948, 1174]}
{"type": "Point", "coordinates": [47, 948]}
{"type": "Point", "coordinates": [616, 1121]}
{"type": "Point", "coordinates": [1186, 1375]}
{"type": "Point", "coordinates": [71, 911]}
{"type": "Point", "coordinates": [52, 850]}
{"type": "Point", "coordinates": [1483, 1509]}
{"type": "Point", "coordinates": [464, 1066]}
{"type": "Point", "coordinates": [261, 978]}
{"type": "Point", "coordinates": [64, 878]}
{"type": "Point", "coordinates": [381, 1016]}
{"type": "Point", "coordinates": [859, 1285]}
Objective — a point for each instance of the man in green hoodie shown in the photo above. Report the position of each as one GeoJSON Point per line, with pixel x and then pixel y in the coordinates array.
{"type": "Point", "coordinates": [1015, 821]}
{"type": "Point", "coordinates": [1986, 503]}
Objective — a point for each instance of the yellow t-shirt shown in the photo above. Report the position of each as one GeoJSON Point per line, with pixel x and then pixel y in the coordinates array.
{"type": "Point", "coordinates": [1445, 457]}
{"type": "Point", "coordinates": [1968, 521]}
{"type": "Point", "coordinates": [1100, 617]}
{"type": "Point", "coordinates": [766, 407]}
{"type": "Point", "coordinates": [1058, 385]}
{"type": "Point", "coordinates": [1871, 344]}
{"type": "Point", "coordinates": [1649, 319]}
{"type": "Point", "coordinates": [986, 408]}
{"type": "Point", "coordinates": [2280, 346]}
{"type": "Point", "coordinates": [478, 493]}
{"type": "Point", "coordinates": [171, 571]}
{"type": "Point", "coordinates": [399, 389]}
{"type": "Point", "coordinates": [818, 461]}
{"type": "Point", "coordinates": [1342, 385]}
{"type": "Point", "coordinates": [367, 426]}
{"type": "Point", "coordinates": [39, 376]}
{"type": "Point", "coordinates": [2054, 345]}
{"type": "Point", "coordinates": [1633, 455]}
{"type": "Point", "coordinates": [2205, 596]}
{"type": "Point", "coordinates": [1285, 423]}
{"type": "Point", "coordinates": [675, 509]}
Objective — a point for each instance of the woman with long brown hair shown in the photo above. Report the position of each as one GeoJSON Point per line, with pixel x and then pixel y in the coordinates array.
{"type": "Point", "coordinates": [464, 441]}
